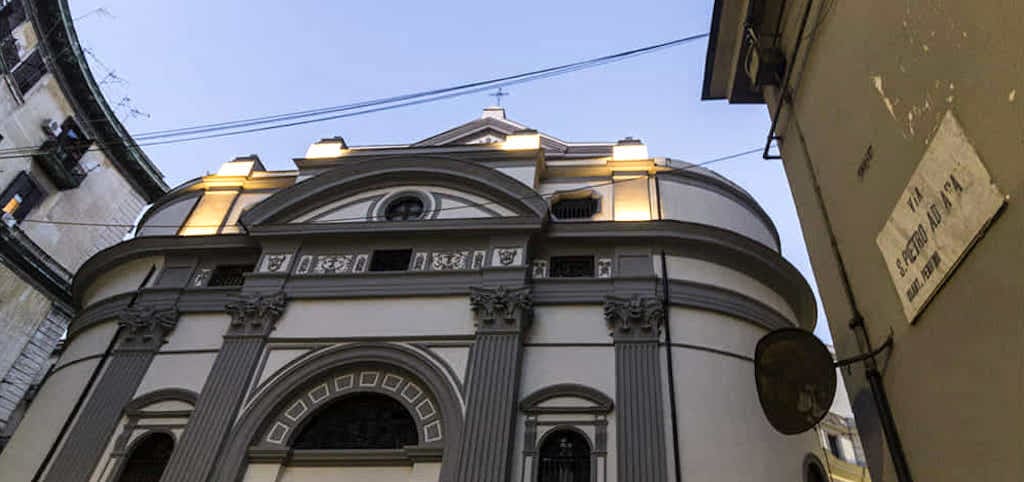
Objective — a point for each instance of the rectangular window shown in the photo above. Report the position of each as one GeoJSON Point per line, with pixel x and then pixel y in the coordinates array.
{"type": "Point", "coordinates": [12, 14]}
{"type": "Point", "coordinates": [390, 260]}
{"type": "Point", "coordinates": [21, 196]}
{"type": "Point", "coordinates": [29, 71]}
{"type": "Point", "coordinates": [833, 446]}
{"type": "Point", "coordinates": [572, 267]}
{"type": "Point", "coordinates": [230, 275]}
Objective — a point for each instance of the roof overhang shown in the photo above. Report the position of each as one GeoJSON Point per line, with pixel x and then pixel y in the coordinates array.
{"type": "Point", "coordinates": [724, 75]}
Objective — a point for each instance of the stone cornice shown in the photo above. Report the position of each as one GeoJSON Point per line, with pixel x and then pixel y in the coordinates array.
{"type": "Point", "coordinates": [635, 318]}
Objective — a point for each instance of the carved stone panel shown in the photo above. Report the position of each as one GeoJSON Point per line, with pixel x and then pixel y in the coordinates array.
{"type": "Point", "coordinates": [449, 260]}
{"type": "Point", "coordinates": [604, 268]}
{"type": "Point", "coordinates": [540, 268]}
{"type": "Point", "coordinates": [635, 317]}
{"type": "Point", "coordinates": [511, 256]}
{"type": "Point", "coordinates": [275, 263]}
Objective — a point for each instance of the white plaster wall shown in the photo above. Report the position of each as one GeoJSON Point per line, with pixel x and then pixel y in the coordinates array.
{"type": "Point", "coordinates": [277, 358]}
{"type": "Point", "coordinates": [341, 211]}
{"type": "Point", "coordinates": [179, 370]}
{"type": "Point", "coordinates": [700, 271]}
{"type": "Point", "coordinates": [568, 323]}
{"type": "Point", "coordinates": [22, 308]}
{"type": "Point", "coordinates": [697, 205]}
{"type": "Point", "coordinates": [374, 317]}
{"type": "Point", "coordinates": [198, 331]}
{"type": "Point", "coordinates": [723, 432]}
{"type": "Point", "coordinates": [714, 330]}
{"type": "Point", "coordinates": [457, 358]}
{"type": "Point", "coordinates": [168, 220]}
{"type": "Point", "coordinates": [261, 473]}
{"type": "Point", "coordinates": [27, 448]}
{"type": "Point", "coordinates": [121, 279]}
{"type": "Point", "coordinates": [243, 202]}
{"type": "Point", "coordinates": [90, 341]}
{"type": "Point", "coordinates": [524, 174]}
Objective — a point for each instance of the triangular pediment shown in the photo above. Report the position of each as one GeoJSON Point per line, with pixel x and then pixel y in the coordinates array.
{"type": "Point", "coordinates": [487, 130]}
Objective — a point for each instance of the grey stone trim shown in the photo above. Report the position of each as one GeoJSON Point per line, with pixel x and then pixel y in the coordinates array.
{"type": "Point", "coordinates": [725, 188]}
{"type": "Point", "coordinates": [531, 403]}
{"type": "Point", "coordinates": [714, 350]}
{"type": "Point", "coordinates": [252, 319]}
{"type": "Point", "coordinates": [492, 388]}
{"type": "Point", "coordinates": [98, 418]}
{"type": "Point", "coordinates": [103, 261]}
{"type": "Point", "coordinates": [635, 318]}
{"type": "Point", "coordinates": [721, 300]}
{"type": "Point", "coordinates": [150, 398]}
{"type": "Point", "coordinates": [639, 420]}
{"type": "Point", "coordinates": [707, 243]}
{"type": "Point", "coordinates": [406, 456]}
{"type": "Point", "coordinates": [144, 327]}
{"type": "Point", "coordinates": [440, 226]}
{"type": "Point", "coordinates": [231, 462]}
{"type": "Point", "coordinates": [396, 171]}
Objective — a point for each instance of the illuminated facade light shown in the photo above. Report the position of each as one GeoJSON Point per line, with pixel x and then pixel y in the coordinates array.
{"type": "Point", "coordinates": [236, 168]}
{"type": "Point", "coordinates": [327, 149]}
{"type": "Point", "coordinates": [629, 149]}
{"type": "Point", "coordinates": [520, 140]}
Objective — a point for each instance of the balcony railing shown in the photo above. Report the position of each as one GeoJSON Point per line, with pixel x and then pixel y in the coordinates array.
{"type": "Point", "coordinates": [61, 164]}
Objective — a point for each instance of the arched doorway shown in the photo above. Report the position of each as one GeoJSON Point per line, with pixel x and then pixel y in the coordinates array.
{"type": "Point", "coordinates": [148, 459]}
{"type": "Point", "coordinates": [564, 457]}
{"type": "Point", "coordinates": [362, 421]}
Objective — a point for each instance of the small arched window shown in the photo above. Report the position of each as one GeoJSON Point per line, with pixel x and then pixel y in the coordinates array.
{"type": "Point", "coordinates": [813, 472]}
{"type": "Point", "coordinates": [148, 459]}
{"type": "Point", "coordinates": [564, 457]}
{"type": "Point", "coordinates": [405, 208]}
{"type": "Point", "coordinates": [364, 421]}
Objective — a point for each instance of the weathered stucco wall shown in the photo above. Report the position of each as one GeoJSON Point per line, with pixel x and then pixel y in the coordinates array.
{"type": "Point", "coordinates": [877, 80]}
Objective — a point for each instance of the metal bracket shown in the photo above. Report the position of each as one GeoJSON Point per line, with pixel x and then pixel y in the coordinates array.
{"type": "Point", "coordinates": [887, 344]}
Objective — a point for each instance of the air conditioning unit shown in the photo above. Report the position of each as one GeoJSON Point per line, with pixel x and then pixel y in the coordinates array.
{"type": "Point", "coordinates": [9, 220]}
{"type": "Point", "coordinates": [51, 128]}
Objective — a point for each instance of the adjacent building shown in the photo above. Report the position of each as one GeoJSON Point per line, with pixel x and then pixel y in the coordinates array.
{"type": "Point", "coordinates": [64, 159]}
{"type": "Point", "coordinates": [490, 303]}
{"type": "Point", "coordinates": [899, 125]}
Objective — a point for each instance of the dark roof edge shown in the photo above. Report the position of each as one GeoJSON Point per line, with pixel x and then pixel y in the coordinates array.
{"type": "Point", "coordinates": [709, 60]}
{"type": "Point", "coordinates": [66, 61]}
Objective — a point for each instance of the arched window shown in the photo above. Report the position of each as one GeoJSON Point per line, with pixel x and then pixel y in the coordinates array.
{"type": "Point", "coordinates": [813, 471]}
{"type": "Point", "coordinates": [564, 457]}
{"type": "Point", "coordinates": [363, 421]}
{"type": "Point", "coordinates": [148, 459]}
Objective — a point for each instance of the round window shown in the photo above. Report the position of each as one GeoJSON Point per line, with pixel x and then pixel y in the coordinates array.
{"type": "Point", "coordinates": [405, 208]}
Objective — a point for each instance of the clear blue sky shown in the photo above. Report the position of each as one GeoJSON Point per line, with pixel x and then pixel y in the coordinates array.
{"type": "Point", "coordinates": [198, 61]}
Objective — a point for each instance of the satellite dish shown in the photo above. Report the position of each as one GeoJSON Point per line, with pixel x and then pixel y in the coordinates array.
{"type": "Point", "coordinates": [796, 379]}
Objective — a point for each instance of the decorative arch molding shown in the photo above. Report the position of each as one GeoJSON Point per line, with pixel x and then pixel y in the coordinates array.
{"type": "Point", "coordinates": [360, 175]}
{"type": "Point", "coordinates": [813, 463]}
{"type": "Point", "coordinates": [166, 394]}
{"type": "Point", "coordinates": [533, 403]}
{"type": "Point", "coordinates": [380, 379]}
{"type": "Point", "coordinates": [303, 380]}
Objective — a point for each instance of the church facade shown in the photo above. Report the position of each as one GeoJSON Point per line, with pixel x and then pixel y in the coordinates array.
{"type": "Point", "coordinates": [488, 304]}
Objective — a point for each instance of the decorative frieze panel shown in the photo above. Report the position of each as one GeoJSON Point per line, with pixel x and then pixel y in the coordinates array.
{"type": "Point", "coordinates": [201, 278]}
{"type": "Point", "coordinates": [398, 385]}
{"type": "Point", "coordinates": [604, 268]}
{"type": "Point", "coordinates": [540, 268]}
{"type": "Point", "coordinates": [449, 260]}
{"type": "Point", "coordinates": [512, 256]}
{"type": "Point", "coordinates": [634, 317]}
{"type": "Point", "coordinates": [275, 263]}
{"type": "Point", "coordinates": [255, 315]}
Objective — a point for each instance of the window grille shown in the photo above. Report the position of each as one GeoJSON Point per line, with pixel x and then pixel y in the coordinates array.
{"type": "Point", "coordinates": [564, 457]}
{"type": "Point", "coordinates": [148, 459]}
{"type": "Point", "coordinates": [21, 196]}
{"type": "Point", "coordinates": [581, 208]}
{"type": "Point", "coordinates": [391, 260]}
{"type": "Point", "coordinates": [572, 267]}
{"type": "Point", "coordinates": [405, 208]}
{"type": "Point", "coordinates": [29, 71]}
{"type": "Point", "coordinates": [363, 421]}
{"type": "Point", "coordinates": [233, 275]}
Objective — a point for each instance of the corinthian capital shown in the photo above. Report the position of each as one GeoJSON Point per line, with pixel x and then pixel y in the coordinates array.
{"type": "Point", "coordinates": [145, 327]}
{"type": "Point", "coordinates": [634, 317]}
{"type": "Point", "coordinates": [255, 315]}
{"type": "Point", "coordinates": [502, 308]}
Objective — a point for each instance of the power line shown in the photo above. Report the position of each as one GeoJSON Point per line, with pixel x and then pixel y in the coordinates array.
{"type": "Point", "coordinates": [468, 206]}
{"type": "Point", "coordinates": [278, 121]}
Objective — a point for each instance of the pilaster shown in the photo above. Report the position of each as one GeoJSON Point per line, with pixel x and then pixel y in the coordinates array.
{"type": "Point", "coordinates": [142, 329]}
{"type": "Point", "coordinates": [492, 389]}
{"type": "Point", "coordinates": [636, 327]}
{"type": "Point", "coordinates": [252, 319]}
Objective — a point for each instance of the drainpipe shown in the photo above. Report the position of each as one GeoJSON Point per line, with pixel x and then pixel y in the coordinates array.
{"type": "Point", "coordinates": [666, 305]}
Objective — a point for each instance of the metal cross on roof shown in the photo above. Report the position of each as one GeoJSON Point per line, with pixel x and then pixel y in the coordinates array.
{"type": "Point", "coordinates": [498, 95]}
